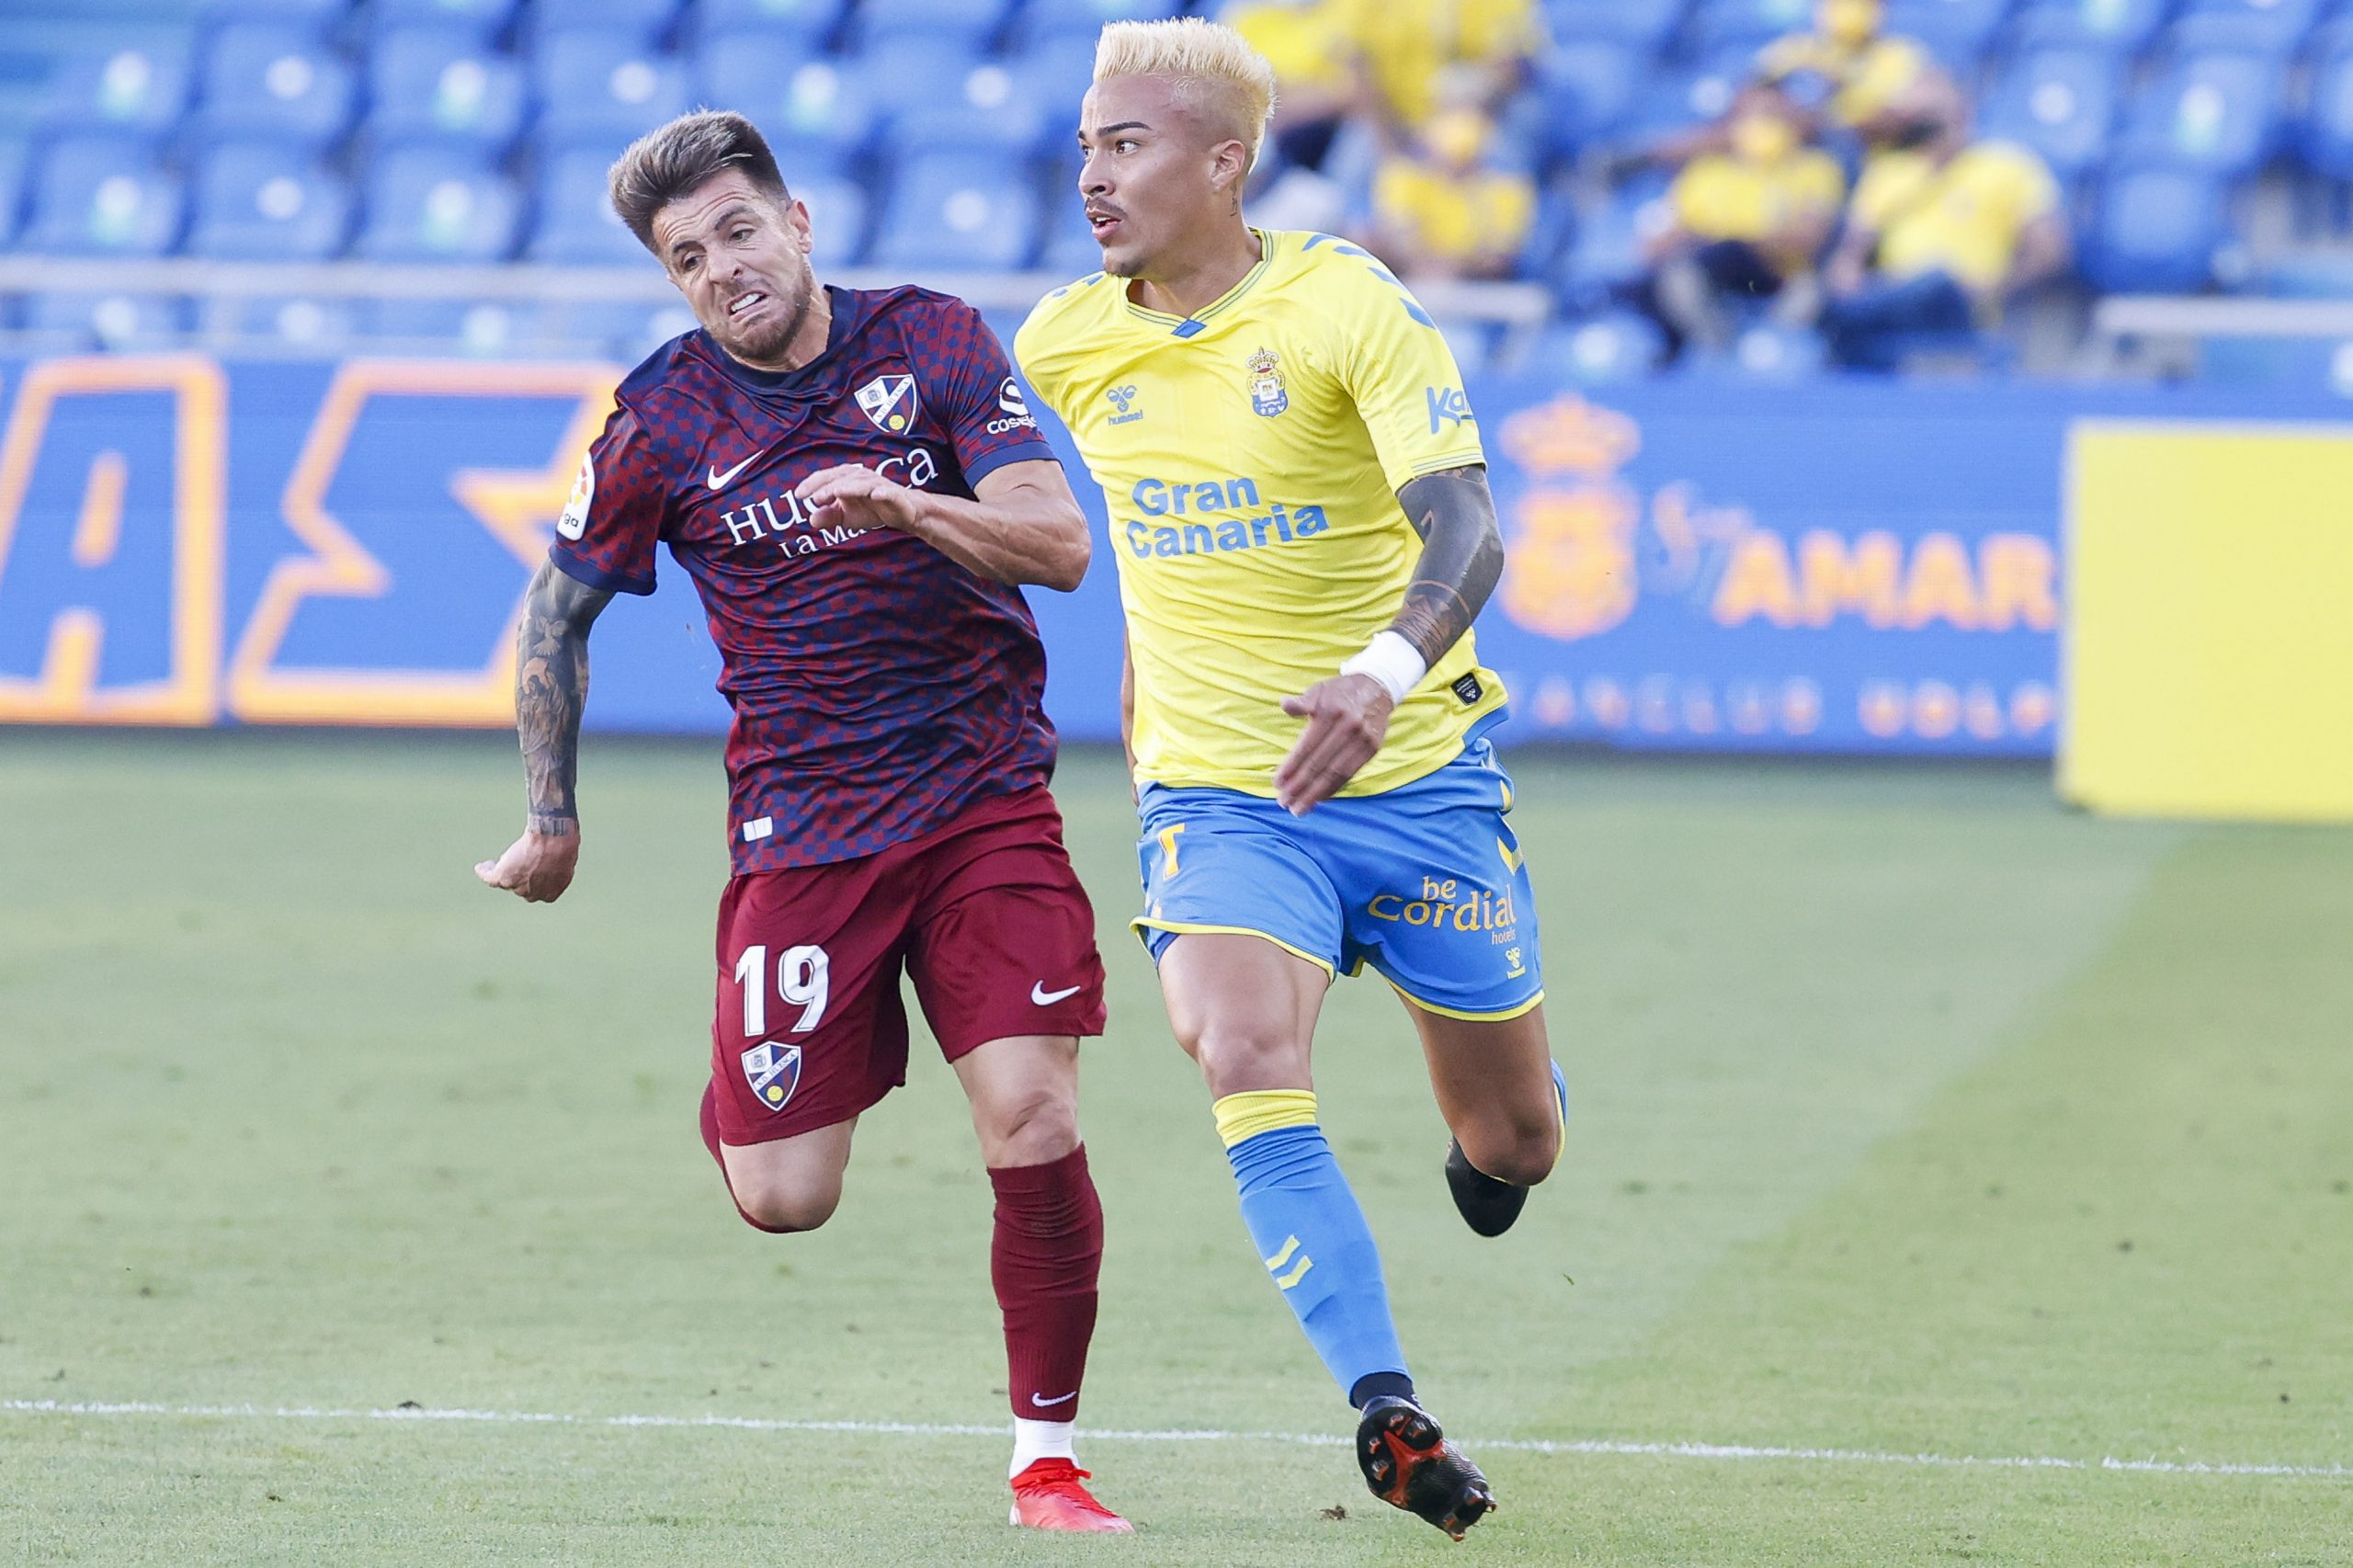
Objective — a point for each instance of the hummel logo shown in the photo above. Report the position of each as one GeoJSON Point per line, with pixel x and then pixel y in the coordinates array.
{"type": "Point", "coordinates": [1042, 1402]}
{"type": "Point", "coordinates": [1045, 998]}
{"type": "Point", "coordinates": [717, 479]}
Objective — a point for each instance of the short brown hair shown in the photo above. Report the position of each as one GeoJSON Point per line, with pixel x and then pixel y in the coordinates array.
{"type": "Point", "coordinates": [672, 160]}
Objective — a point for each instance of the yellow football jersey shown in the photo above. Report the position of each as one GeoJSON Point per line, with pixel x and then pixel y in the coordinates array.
{"type": "Point", "coordinates": [1250, 457]}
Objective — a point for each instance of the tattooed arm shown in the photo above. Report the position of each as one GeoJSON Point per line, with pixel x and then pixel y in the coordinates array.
{"type": "Point", "coordinates": [550, 688]}
{"type": "Point", "coordinates": [1347, 716]}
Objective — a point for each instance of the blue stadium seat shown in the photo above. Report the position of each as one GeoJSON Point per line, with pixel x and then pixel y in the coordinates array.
{"type": "Point", "coordinates": [1606, 254]}
{"type": "Point", "coordinates": [2274, 27]}
{"type": "Point", "coordinates": [440, 85]}
{"type": "Point", "coordinates": [136, 89]}
{"type": "Point", "coordinates": [119, 322]}
{"type": "Point", "coordinates": [1586, 90]}
{"type": "Point", "coordinates": [1678, 100]}
{"type": "Point", "coordinates": [1642, 25]}
{"type": "Point", "coordinates": [948, 24]}
{"type": "Point", "coordinates": [2326, 137]}
{"type": "Point", "coordinates": [2216, 112]}
{"type": "Point", "coordinates": [262, 79]}
{"type": "Point", "coordinates": [1723, 24]}
{"type": "Point", "coordinates": [2060, 102]}
{"type": "Point", "coordinates": [99, 195]}
{"type": "Point", "coordinates": [268, 202]}
{"type": "Point", "coordinates": [1598, 350]}
{"type": "Point", "coordinates": [480, 21]}
{"type": "Point", "coordinates": [988, 111]}
{"type": "Point", "coordinates": [1956, 32]}
{"type": "Point", "coordinates": [602, 89]}
{"type": "Point", "coordinates": [2157, 230]}
{"type": "Point", "coordinates": [486, 329]}
{"type": "Point", "coordinates": [907, 72]}
{"type": "Point", "coordinates": [626, 330]}
{"type": "Point", "coordinates": [288, 323]}
{"type": "Point", "coordinates": [2214, 32]}
{"type": "Point", "coordinates": [959, 211]}
{"type": "Point", "coordinates": [576, 221]}
{"type": "Point", "coordinates": [313, 16]}
{"type": "Point", "coordinates": [792, 97]}
{"type": "Point", "coordinates": [16, 161]}
{"type": "Point", "coordinates": [644, 22]}
{"type": "Point", "coordinates": [808, 23]}
{"type": "Point", "coordinates": [1055, 73]}
{"type": "Point", "coordinates": [1042, 19]}
{"type": "Point", "coordinates": [431, 204]}
{"type": "Point", "coordinates": [1071, 250]}
{"type": "Point", "coordinates": [2120, 27]}
{"type": "Point", "coordinates": [837, 219]}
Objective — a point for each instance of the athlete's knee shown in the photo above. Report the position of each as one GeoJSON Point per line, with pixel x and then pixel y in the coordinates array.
{"type": "Point", "coordinates": [782, 1207]}
{"type": "Point", "coordinates": [1519, 1150]}
{"type": "Point", "coordinates": [1238, 1054]}
{"type": "Point", "coordinates": [1030, 1127]}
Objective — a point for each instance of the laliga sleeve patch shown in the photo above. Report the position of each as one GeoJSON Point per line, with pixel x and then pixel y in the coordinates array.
{"type": "Point", "coordinates": [575, 520]}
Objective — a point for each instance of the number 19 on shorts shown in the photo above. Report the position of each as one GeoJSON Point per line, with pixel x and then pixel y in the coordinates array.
{"type": "Point", "coordinates": [801, 981]}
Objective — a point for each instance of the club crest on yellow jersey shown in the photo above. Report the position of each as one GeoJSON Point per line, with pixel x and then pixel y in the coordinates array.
{"type": "Point", "coordinates": [1268, 394]}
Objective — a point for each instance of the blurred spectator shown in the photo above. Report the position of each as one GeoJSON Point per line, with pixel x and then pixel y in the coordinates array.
{"type": "Point", "coordinates": [1312, 47]}
{"type": "Point", "coordinates": [1942, 231]}
{"type": "Point", "coordinates": [1746, 224]}
{"type": "Point", "coordinates": [1422, 55]}
{"type": "Point", "coordinates": [1444, 209]}
{"type": "Point", "coordinates": [1320, 87]}
{"type": "Point", "coordinates": [1846, 69]}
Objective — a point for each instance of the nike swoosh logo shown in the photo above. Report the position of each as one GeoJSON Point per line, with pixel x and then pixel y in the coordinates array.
{"type": "Point", "coordinates": [717, 479]}
{"type": "Point", "coordinates": [1044, 1403]}
{"type": "Point", "coordinates": [1045, 998]}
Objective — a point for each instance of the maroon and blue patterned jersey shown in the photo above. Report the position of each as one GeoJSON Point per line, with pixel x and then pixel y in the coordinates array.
{"type": "Point", "coordinates": [879, 688]}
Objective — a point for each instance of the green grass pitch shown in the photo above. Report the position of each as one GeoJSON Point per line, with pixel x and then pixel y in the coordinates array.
{"type": "Point", "coordinates": [1914, 1116]}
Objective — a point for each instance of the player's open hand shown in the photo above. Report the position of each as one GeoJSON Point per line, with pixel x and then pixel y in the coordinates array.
{"type": "Point", "coordinates": [1347, 717]}
{"type": "Point", "coordinates": [536, 868]}
{"type": "Point", "coordinates": [849, 496]}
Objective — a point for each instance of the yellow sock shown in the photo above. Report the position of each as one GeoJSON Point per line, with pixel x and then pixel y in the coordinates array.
{"type": "Point", "coordinates": [1253, 1111]}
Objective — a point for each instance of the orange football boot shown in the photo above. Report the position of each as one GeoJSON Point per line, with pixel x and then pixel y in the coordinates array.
{"type": "Point", "coordinates": [1049, 1496]}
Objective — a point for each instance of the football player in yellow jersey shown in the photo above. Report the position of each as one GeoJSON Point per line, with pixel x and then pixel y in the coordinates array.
{"type": "Point", "coordinates": [1299, 507]}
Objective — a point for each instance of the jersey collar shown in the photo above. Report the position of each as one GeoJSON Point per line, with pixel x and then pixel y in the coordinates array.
{"type": "Point", "coordinates": [849, 307]}
{"type": "Point", "coordinates": [1187, 327]}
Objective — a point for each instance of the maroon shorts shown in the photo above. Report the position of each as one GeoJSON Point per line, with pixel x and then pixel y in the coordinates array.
{"type": "Point", "coordinates": [985, 912]}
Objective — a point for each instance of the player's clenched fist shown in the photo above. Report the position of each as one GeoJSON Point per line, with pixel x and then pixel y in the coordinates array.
{"type": "Point", "coordinates": [536, 868]}
{"type": "Point", "coordinates": [1347, 717]}
{"type": "Point", "coordinates": [849, 496]}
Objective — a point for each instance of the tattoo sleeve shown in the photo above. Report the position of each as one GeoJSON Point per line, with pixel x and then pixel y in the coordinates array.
{"type": "Point", "coordinates": [1463, 557]}
{"type": "Point", "coordinates": [550, 688]}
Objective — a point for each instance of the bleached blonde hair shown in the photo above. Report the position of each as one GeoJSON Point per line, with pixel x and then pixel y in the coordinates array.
{"type": "Point", "coordinates": [1215, 72]}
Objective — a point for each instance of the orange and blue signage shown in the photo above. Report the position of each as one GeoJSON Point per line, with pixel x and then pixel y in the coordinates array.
{"type": "Point", "coordinates": [1839, 567]}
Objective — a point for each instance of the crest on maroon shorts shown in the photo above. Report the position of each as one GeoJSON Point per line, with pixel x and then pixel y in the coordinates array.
{"type": "Point", "coordinates": [774, 1072]}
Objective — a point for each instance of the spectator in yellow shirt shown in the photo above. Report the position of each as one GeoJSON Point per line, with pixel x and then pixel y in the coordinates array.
{"type": "Point", "coordinates": [1746, 224]}
{"type": "Point", "coordinates": [1423, 55]}
{"type": "Point", "coordinates": [1318, 72]}
{"type": "Point", "coordinates": [1846, 66]}
{"type": "Point", "coordinates": [1940, 235]}
{"type": "Point", "coordinates": [1445, 210]}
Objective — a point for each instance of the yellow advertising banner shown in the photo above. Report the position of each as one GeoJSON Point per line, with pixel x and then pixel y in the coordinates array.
{"type": "Point", "coordinates": [2207, 663]}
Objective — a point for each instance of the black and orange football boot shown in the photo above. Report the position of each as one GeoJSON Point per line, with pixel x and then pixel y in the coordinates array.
{"type": "Point", "coordinates": [1409, 1464]}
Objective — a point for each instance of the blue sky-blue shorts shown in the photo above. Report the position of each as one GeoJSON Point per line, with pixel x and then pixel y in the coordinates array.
{"type": "Point", "coordinates": [1424, 882]}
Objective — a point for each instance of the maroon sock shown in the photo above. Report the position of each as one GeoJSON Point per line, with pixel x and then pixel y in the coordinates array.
{"type": "Point", "coordinates": [710, 1142]}
{"type": "Point", "coordinates": [1047, 1252]}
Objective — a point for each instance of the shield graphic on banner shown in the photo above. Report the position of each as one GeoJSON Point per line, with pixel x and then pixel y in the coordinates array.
{"type": "Point", "coordinates": [774, 1072]}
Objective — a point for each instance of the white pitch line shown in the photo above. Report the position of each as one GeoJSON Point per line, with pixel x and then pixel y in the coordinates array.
{"type": "Point", "coordinates": [1734, 1451]}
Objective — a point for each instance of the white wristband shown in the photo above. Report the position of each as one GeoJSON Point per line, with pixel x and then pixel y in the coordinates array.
{"type": "Point", "coordinates": [1396, 663]}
